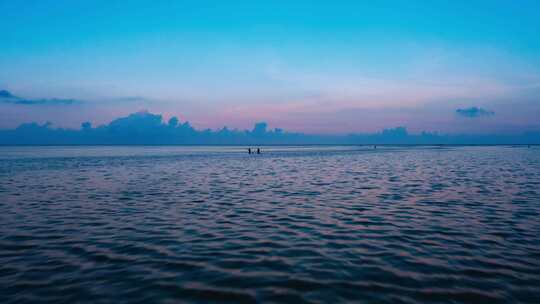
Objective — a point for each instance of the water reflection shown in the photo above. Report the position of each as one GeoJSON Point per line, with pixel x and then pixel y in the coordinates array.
{"type": "Point", "coordinates": [304, 224]}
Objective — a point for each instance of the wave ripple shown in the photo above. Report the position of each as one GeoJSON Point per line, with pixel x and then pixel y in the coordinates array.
{"type": "Point", "coordinates": [408, 225]}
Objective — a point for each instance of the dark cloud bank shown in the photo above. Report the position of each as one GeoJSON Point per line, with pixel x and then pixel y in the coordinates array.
{"type": "Point", "coordinates": [7, 97]}
{"type": "Point", "coordinates": [474, 112]}
{"type": "Point", "coordinates": [145, 128]}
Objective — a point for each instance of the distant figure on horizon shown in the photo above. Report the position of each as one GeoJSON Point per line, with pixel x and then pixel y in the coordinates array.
{"type": "Point", "coordinates": [249, 150]}
{"type": "Point", "coordinates": [375, 147]}
{"type": "Point", "coordinates": [258, 151]}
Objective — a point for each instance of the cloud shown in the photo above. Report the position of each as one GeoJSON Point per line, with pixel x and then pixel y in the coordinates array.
{"type": "Point", "coordinates": [145, 128]}
{"type": "Point", "coordinates": [474, 112]}
{"type": "Point", "coordinates": [5, 94]}
{"type": "Point", "coordinates": [7, 97]}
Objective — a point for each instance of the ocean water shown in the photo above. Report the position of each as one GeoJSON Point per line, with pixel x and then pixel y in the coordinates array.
{"type": "Point", "coordinates": [294, 224]}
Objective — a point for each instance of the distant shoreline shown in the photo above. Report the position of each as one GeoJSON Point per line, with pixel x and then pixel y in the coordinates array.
{"type": "Point", "coordinates": [266, 145]}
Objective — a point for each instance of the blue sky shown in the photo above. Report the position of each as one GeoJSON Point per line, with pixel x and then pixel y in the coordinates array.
{"type": "Point", "coordinates": [310, 66]}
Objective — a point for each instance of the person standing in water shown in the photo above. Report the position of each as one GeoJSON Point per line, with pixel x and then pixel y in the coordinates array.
{"type": "Point", "coordinates": [258, 151]}
{"type": "Point", "coordinates": [249, 150]}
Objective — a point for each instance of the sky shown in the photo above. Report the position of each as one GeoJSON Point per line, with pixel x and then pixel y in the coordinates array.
{"type": "Point", "coordinates": [322, 67]}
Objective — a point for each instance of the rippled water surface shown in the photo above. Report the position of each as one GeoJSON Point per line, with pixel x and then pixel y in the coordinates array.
{"type": "Point", "coordinates": [294, 224]}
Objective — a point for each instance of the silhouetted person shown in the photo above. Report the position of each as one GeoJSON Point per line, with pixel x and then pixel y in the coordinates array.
{"type": "Point", "coordinates": [374, 147]}
{"type": "Point", "coordinates": [249, 150]}
{"type": "Point", "coordinates": [258, 151]}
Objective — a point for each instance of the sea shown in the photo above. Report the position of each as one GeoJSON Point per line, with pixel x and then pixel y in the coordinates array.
{"type": "Point", "coordinates": [294, 224]}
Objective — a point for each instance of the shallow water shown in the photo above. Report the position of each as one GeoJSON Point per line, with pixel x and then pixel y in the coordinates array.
{"type": "Point", "coordinates": [295, 224]}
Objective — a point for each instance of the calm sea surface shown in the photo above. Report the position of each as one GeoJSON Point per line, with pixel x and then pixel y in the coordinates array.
{"type": "Point", "coordinates": [294, 224]}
